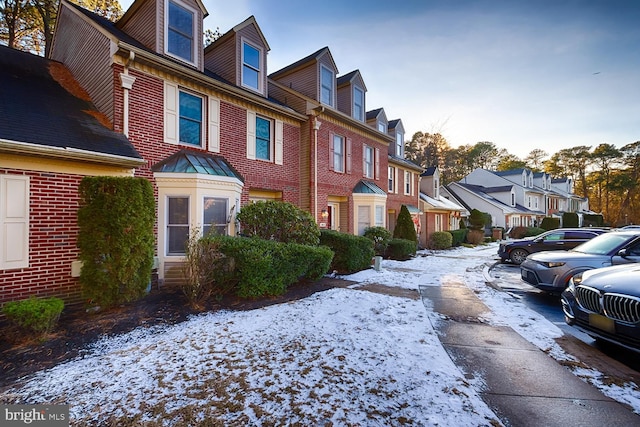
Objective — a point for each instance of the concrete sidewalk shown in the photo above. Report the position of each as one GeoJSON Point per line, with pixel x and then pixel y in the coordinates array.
{"type": "Point", "coordinates": [524, 386]}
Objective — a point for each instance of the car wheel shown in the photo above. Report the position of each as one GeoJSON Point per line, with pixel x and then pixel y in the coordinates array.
{"type": "Point", "coordinates": [518, 255]}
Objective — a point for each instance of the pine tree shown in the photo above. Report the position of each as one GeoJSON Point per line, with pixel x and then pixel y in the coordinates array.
{"type": "Point", "coordinates": [404, 226]}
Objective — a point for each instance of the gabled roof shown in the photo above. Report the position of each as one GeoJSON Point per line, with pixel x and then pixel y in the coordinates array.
{"type": "Point", "coordinates": [393, 123]}
{"type": "Point", "coordinates": [351, 78]}
{"type": "Point", "coordinates": [485, 194]}
{"type": "Point", "coordinates": [249, 21]}
{"type": "Point", "coordinates": [314, 57]}
{"type": "Point", "coordinates": [429, 171]}
{"type": "Point", "coordinates": [442, 203]}
{"type": "Point", "coordinates": [368, 187]}
{"type": "Point", "coordinates": [42, 106]}
{"type": "Point", "coordinates": [510, 172]}
{"type": "Point", "coordinates": [373, 114]}
{"type": "Point", "coordinates": [190, 161]}
{"type": "Point", "coordinates": [138, 3]}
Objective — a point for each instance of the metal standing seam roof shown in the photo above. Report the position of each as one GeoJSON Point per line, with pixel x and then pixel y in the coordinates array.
{"type": "Point", "coordinates": [195, 162]}
{"type": "Point", "coordinates": [368, 187]}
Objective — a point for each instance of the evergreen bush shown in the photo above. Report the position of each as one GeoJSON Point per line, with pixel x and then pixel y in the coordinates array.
{"type": "Point", "coordinates": [34, 315]}
{"type": "Point", "coordinates": [401, 249]}
{"type": "Point", "coordinates": [405, 228]}
{"type": "Point", "coordinates": [440, 240]}
{"type": "Point", "coordinates": [280, 221]}
{"type": "Point", "coordinates": [352, 253]}
{"type": "Point", "coordinates": [549, 223]}
{"type": "Point", "coordinates": [458, 236]}
{"type": "Point", "coordinates": [381, 238]}
{"type": "Point", "coordinates": [477, 220]}
{"type": "Point", "coordinates": [116, 241]}
{"type": "Point", "coordinates": [592, 220]}
{"type": "Point", "coordinates": [570, 219]}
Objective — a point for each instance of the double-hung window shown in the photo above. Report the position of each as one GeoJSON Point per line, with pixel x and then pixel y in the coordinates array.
{"type": "Point", "coordinates": [392, 179]}
{"type": "Point", "coordinates": [358, 103]}
{"type": "Point", "coordinates": [400, 144]}
{"type": "Point", "coordinates": [214, 216]}
{"type": "Point", "coordinates": [338, 153]}
{"type": "Point", "coordinates": [177, 225]}
{"type": "Point", "coordinates": [263, 138]}
{"type": "Point", "coordinates": [326, 85]}
{"type": "Point", "coordinates": [382, 126]}
{"type": "Point", "coordinates": [251, 71]}
{"type": "Point", "coordinates": [407, 182]}
{"type": "Point", "coordinates": [180, 32]}
{"type": "Point", "coordinates": [191, 110]}
{"type": "Point", "coordinates": [368, 161]}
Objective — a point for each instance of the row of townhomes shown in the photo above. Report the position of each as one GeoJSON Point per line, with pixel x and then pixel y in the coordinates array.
{"type": "Point", "coordinates": [518, 197]}
{"type": "Point", "coordinates": [211, 129]}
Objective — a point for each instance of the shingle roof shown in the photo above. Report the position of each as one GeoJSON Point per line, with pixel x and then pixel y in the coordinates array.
{"type": "Point", "coordinates": [393, 123]}
{"type": "Point", "coordinates": [313, 57]}
{"type": "Point", "coordinates": [372, 114]}
{"type": "Point", "coordinates": [42, 104]}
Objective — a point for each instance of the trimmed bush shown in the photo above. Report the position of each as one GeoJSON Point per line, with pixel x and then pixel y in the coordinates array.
{"type": "Point", "coordinates": [401, 249]}
{"type": "Point", "coordinates": [280, 221]}
{"type": "Point", "coordinates": [549, 223]}
{"type": "Point", "coordinates": [381, 238]}
{"type": "Point", "coordinates": [257, 267]}
{"type": "Point", "coordinates": [352, 253]}
{"type": "Point", "coordinates": [477, 220]}
{"type": "Point", "coordinates": [462, 224]}
{"type": "Point", "coordinates": [521, 232]}
{"type": "Point", "coordinates": [592, 220]}
{"type": "Point", "coordinates": [405, 228]}
{"type": "Point", "coordinates": [116, 219]}
{"type": "Point", "coordinates": [458, 237]}
{"type": "Point", "coordinates": [475, 237]}
{"type": "Point", "coordinates": [34, 315]}
{"type": "Point", "coordinates": [570, 219]}
{"type": "Point", "coordinates": [440, 240]}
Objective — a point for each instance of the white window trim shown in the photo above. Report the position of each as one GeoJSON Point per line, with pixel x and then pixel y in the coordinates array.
{"type": "Point", "coordinates": [172, 118]}
{"type": "Point", "coordinates": [408, 182]}
{"type": "Point", "coordinates": [14, 221]}
{"type": "Point", "coordinates": [391, 176]}
{"type": "Point", "coordinates": [277, 139]}
{"type": "Point", "coordinates": [362, 110]}
{"type": "Point", "coordinates": [196, 39]}
{"type": "Point", "coordinates": [260, 88]}
{"type": "Point", "coordinates": [400, 145]}
{"type": "Point", "coordinates": [333, 86]}
{"type": "Point", "coordinates": [365, 171]}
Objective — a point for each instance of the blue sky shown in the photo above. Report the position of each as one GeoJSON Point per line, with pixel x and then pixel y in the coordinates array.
{"type": "Point", "coordinates": [520, 74]}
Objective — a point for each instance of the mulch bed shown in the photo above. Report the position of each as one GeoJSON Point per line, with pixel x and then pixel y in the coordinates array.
{"type": "Point", "coordinates": [77, 328]}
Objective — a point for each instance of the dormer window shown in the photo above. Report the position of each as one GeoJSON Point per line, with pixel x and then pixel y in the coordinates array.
{"type": "Point", "coordinates": [358, 103]}
{"type": "Point", "coordinates": [400, 144]}
{"type": "Point", "coordinates": [382, 126]}
{"type": "Point", "coordinates": [326, 86]}
{"type": "Point", "coordinates": [251, 70]}
{"type": "Point", "coordinates": [180, 40]}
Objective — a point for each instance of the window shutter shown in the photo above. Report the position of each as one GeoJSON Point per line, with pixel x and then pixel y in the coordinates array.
{"type": "Point", "coordinates": [377, 164]}
{"type": "Point", "coordinates": [14, 222]}
{"type": "Point", "coordinates": [331, 138]}
{"type": "Point", "coordinates": [251, 135]}
{"type": "Point", "coordinates": [348, 160]}
{"type": "Point", "coordinates": [214, 125]}
{"type": "Point", "coordinates": [170, 113]}
{"type": "Point", "coordinates": [279, 143]}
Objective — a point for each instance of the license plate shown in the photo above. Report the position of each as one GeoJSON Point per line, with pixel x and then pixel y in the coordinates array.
{"type": "Point", "coordinates": [602, 323]}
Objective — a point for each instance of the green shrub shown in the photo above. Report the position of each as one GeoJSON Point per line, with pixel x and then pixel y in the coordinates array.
{"type": "Point", "coordinates": [462, 224]}
{"type": "Point", "coordinates": [401, 249]}
{"type": "Point", "coordinates": [534, 231]}
{"type": "Point", "coordinates": [351, 253]}
{"type": "Point", "coordinates": [34, 315]}
{"type": "Point", "coordinates": [475, 237]}
{"type": "Point", "coordinates": [592, 220]}
{"type": "Point", "coordinates": [405, 228]}
{"type": "Point", "coordinates": [570, 219]}
{"type": "Point", "coordinates": [458, 237]}
{"type": "Point", "coordinates": [440, 240]}
{"type": "Point", "coordinates": [521, 232]}
{"type": "Point", "coordinates": [477, 220]}
{"type": "Point", "coordinates": [381, 238]}
{"type": "Point", "coordinates": [280, 221]}
{"type": "Point", "coordinates": [257, 267]}
{"type": "Point", "coordinates": [116, 241]}
{"type": "Point", "coordinates": [549, 223]}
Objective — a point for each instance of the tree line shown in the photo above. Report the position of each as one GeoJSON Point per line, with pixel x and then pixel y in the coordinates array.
{"type": "Point", "coordinates": [607, 175]}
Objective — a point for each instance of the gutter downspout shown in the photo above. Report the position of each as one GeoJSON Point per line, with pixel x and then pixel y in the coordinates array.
{"type": "Point", "coordinates": [127, 84]}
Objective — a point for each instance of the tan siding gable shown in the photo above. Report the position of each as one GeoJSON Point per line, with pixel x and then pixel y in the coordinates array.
{"type": "Point", "coordinates": [86, 52]}
{"type": "Point", "coordinates": [142, 26]}
{"type": "Point", "coordinates": [304, 80]}
{"type": "Point", "coordinates": [345, 94]}
{"type": "Point", "coordinates": [222, 59]}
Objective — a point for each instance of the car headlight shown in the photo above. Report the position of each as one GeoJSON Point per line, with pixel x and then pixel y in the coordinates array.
{"type": "Point", "coordinates": [576, 279]}
{"type": "Point", "coordinates": [552, 264]}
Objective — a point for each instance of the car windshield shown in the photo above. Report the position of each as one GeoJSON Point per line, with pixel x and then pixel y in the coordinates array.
{"type": "Point", "coordinates": [602, 244]}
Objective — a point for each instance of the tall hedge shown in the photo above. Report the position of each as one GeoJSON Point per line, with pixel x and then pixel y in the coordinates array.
{"type": "Point", "coordinates": [549, 223]}
{"type": "Point", "coordinates": [279, 221]}
{"type": "Point", "coordinates": [570, 219]}
{"type": "Point", "coordinates": [352, 253]}
{"type": "Point", "coordinates": [116, 219]}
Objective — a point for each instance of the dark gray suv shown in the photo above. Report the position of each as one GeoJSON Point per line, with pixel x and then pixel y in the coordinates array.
{"type": "Point", "coordinates": [551, 271]}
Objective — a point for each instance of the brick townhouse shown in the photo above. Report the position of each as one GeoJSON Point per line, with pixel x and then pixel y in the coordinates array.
{"type": "Point", "coordinates": [215, 131]}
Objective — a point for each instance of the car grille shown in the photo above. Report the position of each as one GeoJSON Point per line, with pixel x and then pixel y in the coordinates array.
{"type": "Point", "coordinates": [623, 308]}
{"type": "Point", "coordinates": [529, 277]}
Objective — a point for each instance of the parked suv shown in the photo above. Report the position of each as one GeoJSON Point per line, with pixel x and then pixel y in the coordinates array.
{"type": "Point", "coordinates": [560, 239]}
{"type": "Point", "coordinates": [605, 303]}
{"type": "Point", "coordinates": [551, 271]}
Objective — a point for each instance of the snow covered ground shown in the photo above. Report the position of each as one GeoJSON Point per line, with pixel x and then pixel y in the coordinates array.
{"type": "Point", "coordinates": [340, 357]}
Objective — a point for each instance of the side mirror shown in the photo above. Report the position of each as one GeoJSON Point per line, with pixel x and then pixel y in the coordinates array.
{"type": "Point", "coordinates": [623, 253]}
